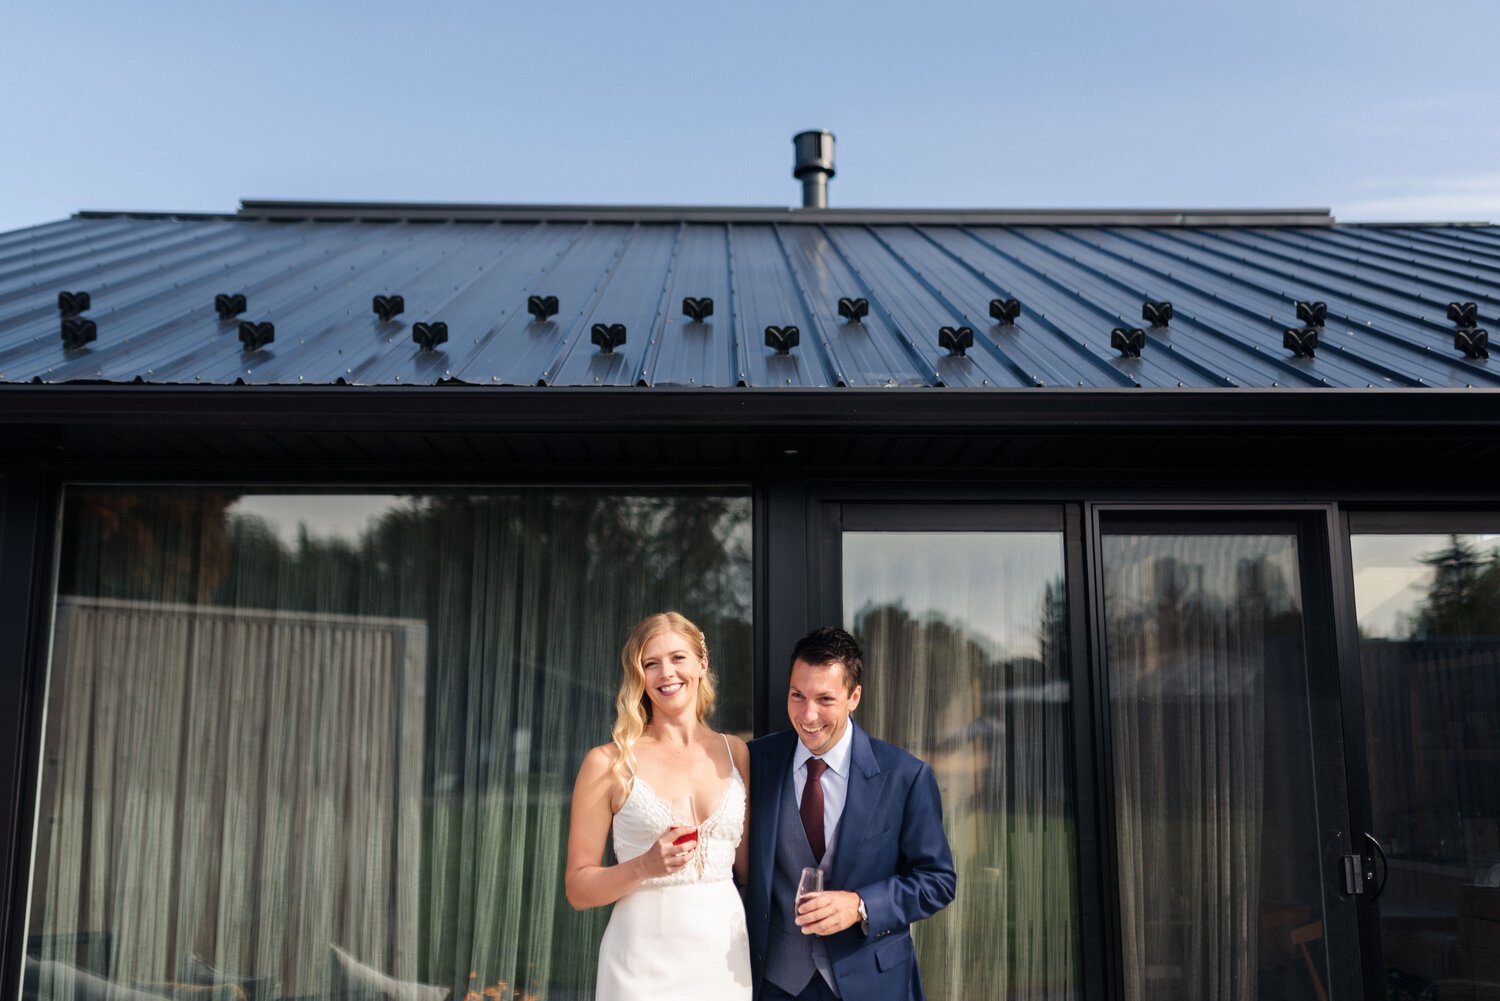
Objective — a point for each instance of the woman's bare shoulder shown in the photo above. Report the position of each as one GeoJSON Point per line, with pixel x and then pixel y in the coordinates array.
{"type": "Point", "coordinates": [597, 777]}
{"type": "Point", "coordinates": [599, 761]}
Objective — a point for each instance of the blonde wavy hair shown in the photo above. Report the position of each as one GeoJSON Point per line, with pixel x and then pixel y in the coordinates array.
{"type": "Point", "coordinates": [632, 704]}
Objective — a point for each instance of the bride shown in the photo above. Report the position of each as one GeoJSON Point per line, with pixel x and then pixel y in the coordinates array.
{"type": "Point", "coordinates": [678, 927]}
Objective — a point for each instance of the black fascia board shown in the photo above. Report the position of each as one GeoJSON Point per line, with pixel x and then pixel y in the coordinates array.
{"type": "Point", "coordinates": [457, 408]}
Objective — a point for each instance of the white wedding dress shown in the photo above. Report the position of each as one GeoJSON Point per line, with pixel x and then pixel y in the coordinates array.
{"type": "Point", "coordinates": [679, 937]}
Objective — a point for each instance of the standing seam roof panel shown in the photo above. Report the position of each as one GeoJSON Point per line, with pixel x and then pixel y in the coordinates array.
{"type": "Point", "coordinates": [152, 283]}
{"type": "Point", "coordinates": [1372, 309]}
{"type": "Point", "coordinates": [1247, 345]}
{"type": "Point", "coordinates": [1267, 313]}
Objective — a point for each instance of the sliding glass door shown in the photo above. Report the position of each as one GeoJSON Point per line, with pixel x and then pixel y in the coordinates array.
{"type": "Point", "coordinates": [1427, 597]}
{"type": "Point", "coordinates": [962, 613]}
{"type": "Point", "coordinates": [1229, 813]}
{"type": "Point", "coordinates": [1150, 804]}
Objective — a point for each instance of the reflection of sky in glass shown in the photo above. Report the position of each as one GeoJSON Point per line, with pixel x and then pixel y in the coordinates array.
{"type": "Point", "coordinates": [990, 583]}
{"type": "Point", "coordinates": [1391, 581]}
{"type": "Point", "coordinates": [340, 516]}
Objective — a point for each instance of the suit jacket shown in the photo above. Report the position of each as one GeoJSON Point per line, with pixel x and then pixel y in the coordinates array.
{"type": "Point", "coordinates": [890, 849]}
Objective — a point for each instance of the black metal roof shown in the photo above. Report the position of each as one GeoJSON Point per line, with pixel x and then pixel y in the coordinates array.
{"type": "Point", "coordinates": [1234, 279]}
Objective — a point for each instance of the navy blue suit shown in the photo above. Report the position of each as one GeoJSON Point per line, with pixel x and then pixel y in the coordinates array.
{"type": "Point", "coordinates": [890, 849]}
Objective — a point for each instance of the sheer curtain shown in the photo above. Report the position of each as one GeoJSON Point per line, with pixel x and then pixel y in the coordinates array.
{"type": "Point", "coordinates": [309, 745]}
{"type": "Point", "coordinates": [965, 651]}
{"type": "Point", "coordinates": [1195, 625]}
{"type": "Point", "coordinates": [193, 828]}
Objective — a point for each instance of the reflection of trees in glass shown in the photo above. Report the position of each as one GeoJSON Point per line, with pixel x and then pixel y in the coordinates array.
{"type": "Point", "coordinates": [995, 728]}
{"type": "Point", "coordinates": [152, 547]}
{"type": "Point", "coordinates": [1052, 630]}
{"type": "Point", "coordinates": [1463, 598]}
{"type": "Point", "coordinates": [1432, 704]}
{"type": "Point", "coordinates": [688, 551]}
{"type": "Point", "coordinates": [1186, 602]}
{"type": "Point", "coordinates": [527, 596]}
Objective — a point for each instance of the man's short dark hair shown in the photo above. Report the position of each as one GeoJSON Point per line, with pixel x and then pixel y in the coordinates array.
{"type": "Point", "coordinates": [831, 645]}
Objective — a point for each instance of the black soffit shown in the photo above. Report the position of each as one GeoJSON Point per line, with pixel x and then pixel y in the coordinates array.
{"type": "Point", "coordinates": [515, 296]}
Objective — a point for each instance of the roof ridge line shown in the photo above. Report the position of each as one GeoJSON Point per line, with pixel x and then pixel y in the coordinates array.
{"type": "Point", "coordinates": [283, 209]}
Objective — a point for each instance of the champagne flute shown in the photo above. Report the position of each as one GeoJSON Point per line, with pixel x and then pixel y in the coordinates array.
{"type": "Point", "coordinates": [809, 885]}
{"type": "Point", "coordinates": [685, 812]}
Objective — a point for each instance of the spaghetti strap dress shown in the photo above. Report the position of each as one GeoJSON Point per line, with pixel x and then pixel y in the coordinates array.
{"type": "Point", "coordinates": [679, 937]}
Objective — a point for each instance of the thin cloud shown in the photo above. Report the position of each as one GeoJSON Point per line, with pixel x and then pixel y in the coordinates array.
{"type": "Point", "coordinates": [1455, 198]}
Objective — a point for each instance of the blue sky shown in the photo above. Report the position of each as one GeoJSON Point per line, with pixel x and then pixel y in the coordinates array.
{"type": "Point", "coordinates": [1377, 109]}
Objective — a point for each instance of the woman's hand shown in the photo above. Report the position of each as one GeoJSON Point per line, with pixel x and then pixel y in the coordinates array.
{"type": "Point", "coordinates": [664, 857]}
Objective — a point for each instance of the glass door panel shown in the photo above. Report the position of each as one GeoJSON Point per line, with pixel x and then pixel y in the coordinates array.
{"type": "Point", "coordinates": [1428, 607]}
{"type": "Point", "coordinates": [965, 639]}
{"type": "Point", "coordinates": [1219, 852]}
{"type": "Point", "coordinates": [318, 746]}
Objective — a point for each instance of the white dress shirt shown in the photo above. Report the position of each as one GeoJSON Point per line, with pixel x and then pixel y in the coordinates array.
{"type": "Point", "coordinates": [835, 782]}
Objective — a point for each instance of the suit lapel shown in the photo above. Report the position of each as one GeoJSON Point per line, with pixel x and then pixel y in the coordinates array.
{"type": "Point", "coordinates": [866, 782]}
{"type": "Point", "coordinates": [765, 808]}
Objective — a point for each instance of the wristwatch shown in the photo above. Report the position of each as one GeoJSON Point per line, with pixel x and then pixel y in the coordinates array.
{"type": "Point", "coordinates": [864, 917]}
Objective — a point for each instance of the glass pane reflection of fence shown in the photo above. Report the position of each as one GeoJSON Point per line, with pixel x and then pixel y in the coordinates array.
{"type": "Point", "coordinates": [966, 666]}
{"type": "Point", "coordinates": [1429, 626]}
{"type": "Point", "coordinates": [321, 747]}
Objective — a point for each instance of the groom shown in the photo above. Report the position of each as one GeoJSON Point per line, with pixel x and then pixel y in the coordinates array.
{"type": "Point", "coordinates": [826, 794]}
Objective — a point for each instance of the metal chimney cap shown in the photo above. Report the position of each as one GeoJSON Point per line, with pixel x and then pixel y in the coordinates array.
{"type": "Point", "coordinates": [814, 152]}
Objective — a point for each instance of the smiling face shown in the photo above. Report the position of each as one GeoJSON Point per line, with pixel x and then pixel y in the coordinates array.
{"type": "Point", "coordinates": [673, 672]}
{"type": "Point", "coordinates": [819, 702]}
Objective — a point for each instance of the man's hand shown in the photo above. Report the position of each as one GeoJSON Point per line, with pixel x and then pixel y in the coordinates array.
{"type": "Point", "coordinates": [828, 912]}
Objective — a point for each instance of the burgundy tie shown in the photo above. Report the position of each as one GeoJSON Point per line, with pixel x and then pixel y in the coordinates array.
{"type": "Point", "coordinates": [812, 807]}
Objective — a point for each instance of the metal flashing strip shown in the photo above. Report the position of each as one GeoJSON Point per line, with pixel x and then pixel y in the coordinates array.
{"type": "Point", "coordinates": [284, 210]}
{"type": "Point", "coordinates": [163, 215]}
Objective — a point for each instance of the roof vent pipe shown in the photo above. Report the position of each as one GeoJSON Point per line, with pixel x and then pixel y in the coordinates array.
{"type": "Point", "coordinates": [813, 166]}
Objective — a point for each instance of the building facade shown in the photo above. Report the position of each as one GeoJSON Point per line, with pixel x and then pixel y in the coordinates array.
{"type": "Point", "coordinates": [1171, 538]}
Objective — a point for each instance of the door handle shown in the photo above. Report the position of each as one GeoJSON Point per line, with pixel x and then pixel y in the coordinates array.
{"type": "Point", "coordinates": [1384, 868]}
{"type": "Point", "coordinates": [1363, 877]}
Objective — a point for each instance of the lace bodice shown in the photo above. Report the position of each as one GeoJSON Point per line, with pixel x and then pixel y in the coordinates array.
{"type": "Point", "coordinates": [644, 816]}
